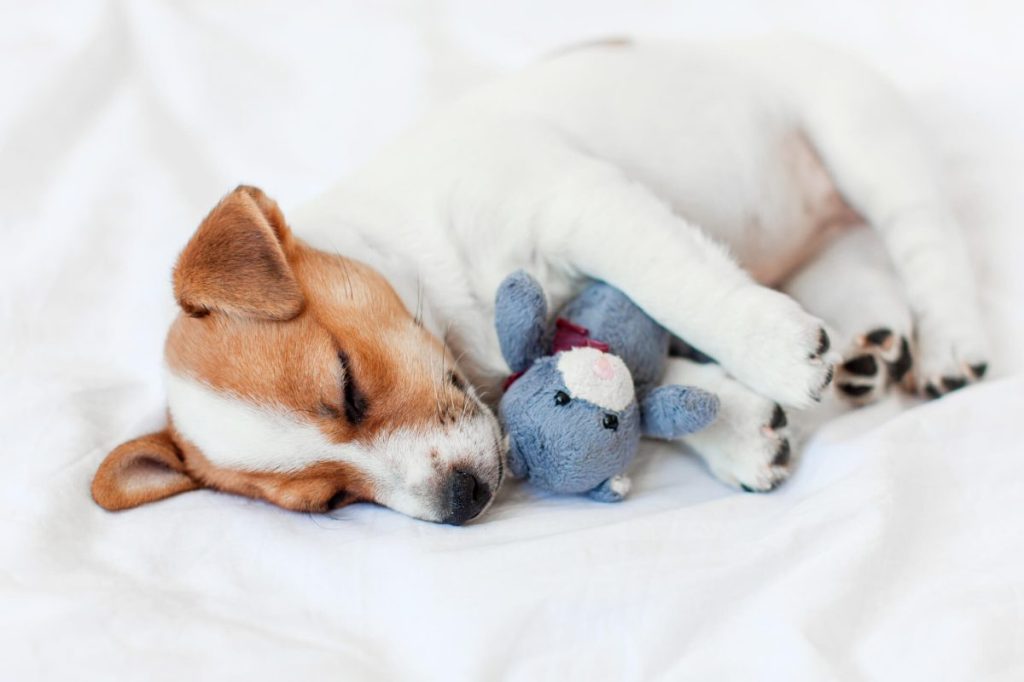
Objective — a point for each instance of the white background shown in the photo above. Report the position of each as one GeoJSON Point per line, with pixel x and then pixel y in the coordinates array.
{"type": "Point", "coordinates": [895, 552]}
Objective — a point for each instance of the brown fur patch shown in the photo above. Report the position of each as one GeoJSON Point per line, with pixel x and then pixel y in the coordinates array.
{"type": "Point", "coordinates": [236, 262]}
{"type": "Point", "coordinates": [294, 364]}
{"type": "Point", "coordinates": [140, 471]}
{"type": "Point", "coordinates": [319, 487]}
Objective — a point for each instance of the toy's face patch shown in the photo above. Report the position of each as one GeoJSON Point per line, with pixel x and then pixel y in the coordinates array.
{"type": "Point", "coordinates": [597, 377]}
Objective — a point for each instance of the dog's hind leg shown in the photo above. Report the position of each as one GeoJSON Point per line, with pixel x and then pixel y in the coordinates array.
{"type": "Point", "coordinates": [853, 287]}
{"type": "Point", "coordinates": [867, 138]}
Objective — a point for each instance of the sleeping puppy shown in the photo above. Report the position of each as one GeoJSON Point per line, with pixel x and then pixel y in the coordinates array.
{"type": "Point", "coordinates": [769, 202]}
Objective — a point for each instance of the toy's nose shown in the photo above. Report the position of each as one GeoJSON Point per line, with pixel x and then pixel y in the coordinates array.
{"type": "Point", "coordinates": [603, 368]}
{"type": "Point", "coordinates": [467, 496]}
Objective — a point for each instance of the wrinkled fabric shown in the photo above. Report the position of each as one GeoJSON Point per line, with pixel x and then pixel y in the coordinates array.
{"type": "Point", "coordinates": [895, 552]}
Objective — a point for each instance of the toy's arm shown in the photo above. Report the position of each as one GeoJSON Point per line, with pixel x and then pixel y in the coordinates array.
{"type": "Point", "coordinates": [670, 412]}
{"type": "Point", "coordinates": [613, 489]}
{"type": "Point", "coordinates": [520, 316]}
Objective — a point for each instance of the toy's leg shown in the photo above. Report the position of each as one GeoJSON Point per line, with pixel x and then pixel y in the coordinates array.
{"type": "Point", "coordinates": [747, 446]}
{"type": "Point", "coordinates": [874, 151]}
{"type": "Point", "coordinates": [852, 286]}
{"type": "Point", "coordinates": [613, 489]}
{"type": "Point", "coordinates": [617, 230]}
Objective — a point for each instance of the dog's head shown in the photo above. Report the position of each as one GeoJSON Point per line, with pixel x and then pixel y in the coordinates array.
{"type": "Point", "coordinates": [299, 377]}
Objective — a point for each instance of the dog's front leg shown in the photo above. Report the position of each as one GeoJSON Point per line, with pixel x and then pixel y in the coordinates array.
{"type": "Point", "coordinates": [611, 228]}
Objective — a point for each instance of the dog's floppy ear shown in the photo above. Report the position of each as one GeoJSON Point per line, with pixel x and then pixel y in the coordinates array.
{"type": "Point", "coordinates": [520, 315]}
{"type": "Point", "coordinates": [236, 262]}
{"type": "Point", "coordinates": [670, 412]}
{"type": "Point", "coordinates": [143, 470]}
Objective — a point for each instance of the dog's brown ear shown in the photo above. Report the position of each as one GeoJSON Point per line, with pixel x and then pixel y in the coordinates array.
{"type": "Point", "coordinates": [236, 261]}
{"type": "Point", "coordinates": [140, 471]}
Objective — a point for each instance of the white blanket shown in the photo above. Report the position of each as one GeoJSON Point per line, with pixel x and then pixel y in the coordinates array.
{"type": "Point", "coordinates": [896, 551]}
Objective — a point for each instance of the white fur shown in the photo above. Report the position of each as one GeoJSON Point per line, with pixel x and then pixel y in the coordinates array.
{"type": "Point", "coordinates": [236, 434]}
{"type": "Point", "coordinates": [582, 371]}
{"type": "Point", "coordinates": [870, 298]}
{"type": "Point", "coordinates": [689, 177]}
{"type": "Point", "coordinates": [739, 447]}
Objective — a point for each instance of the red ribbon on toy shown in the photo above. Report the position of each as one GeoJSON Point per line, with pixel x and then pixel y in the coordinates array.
{"type": "Point", "coordinates": [567, 337]}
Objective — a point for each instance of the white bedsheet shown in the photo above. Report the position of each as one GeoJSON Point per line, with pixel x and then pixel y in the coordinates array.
{"type": "Point", "coordinates": [896, 551]}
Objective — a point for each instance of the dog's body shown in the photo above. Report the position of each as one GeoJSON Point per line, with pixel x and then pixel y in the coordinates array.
{"type": "Point", "coordinates": [692, 178]}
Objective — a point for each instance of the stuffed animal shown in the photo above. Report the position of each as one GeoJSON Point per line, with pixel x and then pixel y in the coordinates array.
{"type": "Point", "coordinates": [584, 390]}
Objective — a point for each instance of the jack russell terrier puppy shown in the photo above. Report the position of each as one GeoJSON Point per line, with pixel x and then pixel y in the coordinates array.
{"type": "Point", "coordinates": [747, 196]}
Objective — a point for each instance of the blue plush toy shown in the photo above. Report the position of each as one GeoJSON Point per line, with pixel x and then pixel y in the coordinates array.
{"type": "Point", "coordinates": [583, 392]}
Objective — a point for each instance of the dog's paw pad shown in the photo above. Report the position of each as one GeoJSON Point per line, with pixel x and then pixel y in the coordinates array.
{"type": "Point", "coordinates": [948, 359]}
{"type": "Point", "coordinates": [863, 365]}
{"type": "Point", "coordinates": [879, 359]}
{"type": "Point", "coordinates": [766, 466]}
{"type": "Point", "coordinates": [878, 337]}
{"type": "Point", "coordinates": [936, 387]}
{"type": "Point", "coordinates": [778, 418]}
{"type": "Point", "coordinates": [899, 367]}
{"type": "Point", "coordinates": [781, 457]}
{"type": "Point", "coordinates": [953, 383]}
{"type": "Point", "coordinates": [826, 361]}
{"type": "Point", "coordinates": [824, 343]}
{"type": "Point", "coordinates": [955, 377]}
{"type": "Point", "coordinates": [856, 390]}
{"type": "Point", "coordinates": [862, 379]}
{"type": "Point", "coordinates": [829, 376]}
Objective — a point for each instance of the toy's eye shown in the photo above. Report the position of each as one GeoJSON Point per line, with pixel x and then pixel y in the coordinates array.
{"type": "Point", "coordinates": [562, 398]}
{"type": "Point", "coordinates": [611, 422]}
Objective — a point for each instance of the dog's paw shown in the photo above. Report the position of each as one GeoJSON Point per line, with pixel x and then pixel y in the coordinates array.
{"type": "Point", "coordinates": [748, 446]}
{"type": "Point", "coordinates": [877, 360]}
{"type": "Point", "coordinates": [943, 366]}
{"type": "Point", "coordinates": [781, 351]}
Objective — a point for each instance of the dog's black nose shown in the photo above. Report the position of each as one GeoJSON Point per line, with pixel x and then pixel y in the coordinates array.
{"type": "Point", "coordinates": [467, 496]}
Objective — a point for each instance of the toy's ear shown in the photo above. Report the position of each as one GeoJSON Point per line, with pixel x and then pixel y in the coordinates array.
{"type": "Point", "coordinates": [520, 315]}
{"type": "Point", "coordinates": [670, 412]}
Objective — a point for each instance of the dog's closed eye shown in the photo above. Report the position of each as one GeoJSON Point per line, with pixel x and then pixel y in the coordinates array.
{"type": "Point", "coordinates": [355, 402]}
